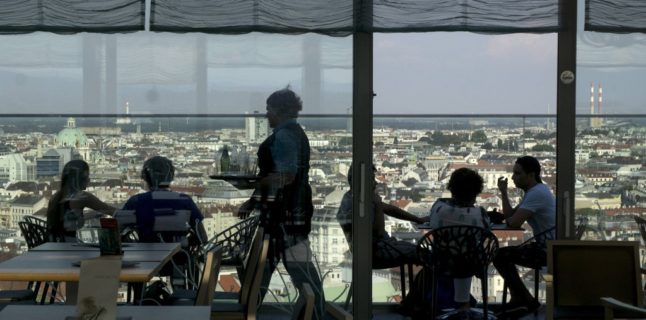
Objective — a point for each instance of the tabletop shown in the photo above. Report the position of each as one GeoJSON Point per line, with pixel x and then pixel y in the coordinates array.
{"type": "Point", "coordinates": [48, 312]}
{"type": "Point", "coordinates": [72, 246]}
{"type": "Point", "coordinates": [494, 227]}
{"type": "Point", "coordinates": [58, 265]}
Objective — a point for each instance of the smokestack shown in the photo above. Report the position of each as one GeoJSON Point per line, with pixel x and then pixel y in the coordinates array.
{"type": "Point", "coordinates": [592, 104]}
{"type": "Point", "coordinates": [592, 98]}
{"type": "Point", "coordinates": [600, 98]}
{"type": "Point", "coordinates": [127, 108]}
{"type": "Point", "coordinates": [600, 120]}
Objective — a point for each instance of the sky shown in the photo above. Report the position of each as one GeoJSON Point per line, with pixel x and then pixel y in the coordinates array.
{"type": "Point", "coordinates": [414, 73]}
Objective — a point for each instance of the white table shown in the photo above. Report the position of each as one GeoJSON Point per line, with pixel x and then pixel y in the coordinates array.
{"type": "Point", "coordinates": [59, 312]}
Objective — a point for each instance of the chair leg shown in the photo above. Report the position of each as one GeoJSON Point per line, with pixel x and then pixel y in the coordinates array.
{"type": "Point", "coordinates": [536, 280]}
{"type": "Point", "coordinates": [485, 288]}
{"type": "Point", "coordinates": [402, 279]}
{"type": "Point", "coordinates": [347, 299]}
{"type": "Point", "coordinates": [240, 271]}
{"type": "Point", "coordinates": [434, 295]}
{"type": "Point", "coordinates": [504, 293]}
{"type": "Point", "coordinates": [52, 298]}
{"type": "Point", "coordinates": [410, 276]}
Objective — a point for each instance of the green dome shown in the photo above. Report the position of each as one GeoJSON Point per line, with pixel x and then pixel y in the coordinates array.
{"type": "Point", "coordinates": [71, 136]}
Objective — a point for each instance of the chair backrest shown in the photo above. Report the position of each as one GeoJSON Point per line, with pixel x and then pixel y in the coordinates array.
{"type": "Point", "coordinates": [581, 226]}
{"type": "Point", "coordinates": [459, 251]}
{"type": "Point", "coordinates": [125, 218]}
{"type": "Point", "coordinates": [36, 221]}
{"type": "Point", "coordinates": [206, 289]}
{"type": "Point", "coordinates": [169, 220]}
{"type": "Point", "coordinates": [253, 296]}
{"type": "Point", "coordinates": [308, 294]}
{"type": "Point", "coordinates": [541, 238]}
{"type": "Point", "coordinates": [641, 223]}
{"type": "Point", "coordinates": [250, 266]}
{"type": "Point", "coordinates": [585, 271]}
{"type": "Point", "coordinates": [235, 240]}
{"type": "Point", "coordinates": [35, 234]}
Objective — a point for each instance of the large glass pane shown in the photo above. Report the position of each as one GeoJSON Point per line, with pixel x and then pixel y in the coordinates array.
{"type": "Point", "coordinates": [610, 133]}
{"type": "Point", "coordinates": [452, 100]}
{"type": "Point", "coordinates": [117, 100]}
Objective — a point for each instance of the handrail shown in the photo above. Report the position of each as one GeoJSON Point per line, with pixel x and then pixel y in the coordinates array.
{"type": "Point", "coordinates": [306, 115]}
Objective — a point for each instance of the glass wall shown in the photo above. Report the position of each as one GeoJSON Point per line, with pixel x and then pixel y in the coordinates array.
{"type": "Point", "coordinates": [451, 100]}
{"type": "Point", "coordinates": [116, 100]}
{"type": "Point", "coordinates": [611, 114]}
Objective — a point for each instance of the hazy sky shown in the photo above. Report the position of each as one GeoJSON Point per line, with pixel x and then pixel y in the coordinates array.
{"type": "Point", "coordinates": [425, 73]}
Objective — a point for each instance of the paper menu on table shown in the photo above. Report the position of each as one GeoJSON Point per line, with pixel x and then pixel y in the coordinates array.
{"type": "Point", "coordinates": [98, 288]}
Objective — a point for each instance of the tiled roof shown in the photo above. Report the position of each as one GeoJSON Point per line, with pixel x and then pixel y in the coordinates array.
{"type": "Point", "coordinates": [228, 283]}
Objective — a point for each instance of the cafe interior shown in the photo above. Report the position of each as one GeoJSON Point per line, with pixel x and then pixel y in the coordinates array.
{"type": "Point", "coordinates": [216, 54]}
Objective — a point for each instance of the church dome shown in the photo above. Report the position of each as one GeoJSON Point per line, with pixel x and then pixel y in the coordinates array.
{"type": "Point", "coordinates": [71, 137]}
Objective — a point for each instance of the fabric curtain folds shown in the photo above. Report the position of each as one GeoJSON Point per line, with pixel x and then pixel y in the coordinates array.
{"type": "Point", "coordinates": [330, 17]}
{"type": "Point", "coordinates": [71, 16]}
{"type": "Point", "coordinates": [343, 17]}
{"type": "Point", "coordinates": [618, 16]}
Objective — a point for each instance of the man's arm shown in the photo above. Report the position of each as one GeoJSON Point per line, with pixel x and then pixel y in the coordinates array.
{"type": "Point", "coordinates": [519, 217]}
{"type": "Point", "coordinates": [398, 213]}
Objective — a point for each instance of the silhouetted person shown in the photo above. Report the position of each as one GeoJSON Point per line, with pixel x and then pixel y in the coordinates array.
{"type": "Point", "coordinates": [538, 208]}
{"type": "Point", "coordinates": [158, 172]}
{"type": "Point", "coordinates": [386, 250]}
{"type": "Point", "coordinates": [65, 208]}
{"type": "Point", "coordinates": [465, 185]}
{"type": "Point", "coordinates": [285, 195]}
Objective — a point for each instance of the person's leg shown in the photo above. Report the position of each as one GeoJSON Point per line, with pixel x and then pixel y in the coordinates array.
{"type": "Point", "coordinates": [462, 292]}
{"type": "Point", "coordinates": [272, 261]}
{"type": "Point", "coordinates": [298, 262]}
{"type": "Point", "coordinates": [505, 262]}
{"type": "Point", "coordinates": [392, 252]}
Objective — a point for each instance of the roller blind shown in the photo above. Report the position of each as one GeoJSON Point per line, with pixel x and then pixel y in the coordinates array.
{"type": "Point", "coordinates": [70, 16]}
{"type": "Point", "coordinates": [621, 16]}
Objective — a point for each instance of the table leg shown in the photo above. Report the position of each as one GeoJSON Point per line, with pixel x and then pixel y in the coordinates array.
{"type": "Point", "coordinates": [71, 292]}
{"type": "Point", "coordinates": [137, 289]}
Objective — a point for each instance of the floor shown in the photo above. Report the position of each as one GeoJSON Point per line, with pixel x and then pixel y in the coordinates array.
{"type": "Point", "coordinates": [381, 312]}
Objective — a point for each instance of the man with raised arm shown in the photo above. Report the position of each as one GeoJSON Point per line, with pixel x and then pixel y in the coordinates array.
{"type": "Point", "coordinates": [538, 209]}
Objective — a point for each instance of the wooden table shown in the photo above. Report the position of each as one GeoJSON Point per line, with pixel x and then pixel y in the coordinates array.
{"type": "Point", "coordinates": [71, 246]}
{"type": "Point", "coordinates": [57, 264]}
{"type": "Point", "coordinates": [494, 227]}
{"type": "Point", "coordinates": [49, 312]}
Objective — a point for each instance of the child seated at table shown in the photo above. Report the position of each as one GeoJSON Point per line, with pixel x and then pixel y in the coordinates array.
{"type": "Point", "coordinates": [465, 185]}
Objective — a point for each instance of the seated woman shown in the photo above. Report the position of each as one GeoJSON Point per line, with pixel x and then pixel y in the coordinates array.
{"type": "Point", "coordinates": [65, 208]}
{"type": "Point", "coordinates": [465, 185]}
{"type": "Point", "coordinates": [158, 172]}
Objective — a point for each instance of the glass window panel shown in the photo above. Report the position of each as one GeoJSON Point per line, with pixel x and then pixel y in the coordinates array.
{"type": "Point", "coordinates": [451, 100]}
{"type": "Point", "coordinates": [610, 132]}
{"type": "Point", "coordinates": [120, 93]}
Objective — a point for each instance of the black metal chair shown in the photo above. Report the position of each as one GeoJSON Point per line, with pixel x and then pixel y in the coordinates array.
{"type": "Point", "coordinates": [235, 241]}
{"type": "Point", "coordinates": [458, 252]}
{"type": "Point", "coordinates": [641, 224]}
{"type": "Point", "coordinates": [539, 262]}
{"type": "Point", "coordinates": [34, 230]}
{"type": "Point", "coordinates": [380, 265]}
{"type": "Point", "coordinates": [581, 227]}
